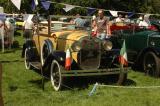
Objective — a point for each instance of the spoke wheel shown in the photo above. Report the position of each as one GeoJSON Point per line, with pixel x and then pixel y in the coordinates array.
{"type": "Point", "coordinates": [151, 64]}
{"type": "Point", "coordinates": [56, 77]}
{"type": "Point", "coordinates": [26, 59]}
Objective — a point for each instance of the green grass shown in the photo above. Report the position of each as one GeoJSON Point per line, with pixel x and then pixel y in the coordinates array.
{"type": "Point", "coordinates": [22, 87]}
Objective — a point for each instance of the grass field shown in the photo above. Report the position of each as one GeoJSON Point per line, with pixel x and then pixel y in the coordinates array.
{"type": "Point", "coordinates": [22, 87]}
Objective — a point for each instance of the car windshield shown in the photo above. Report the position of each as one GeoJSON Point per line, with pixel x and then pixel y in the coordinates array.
{"type": "Point", "coordinates": [58, 23]}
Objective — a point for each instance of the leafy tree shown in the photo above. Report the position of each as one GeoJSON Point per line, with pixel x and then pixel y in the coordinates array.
{"type": "Point", "coordinates": [146, 6]}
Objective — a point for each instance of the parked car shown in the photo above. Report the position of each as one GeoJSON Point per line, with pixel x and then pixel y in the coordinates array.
{"type": "Point", "coordinates": [90, 56]}
{"type": "Point", "coordinates": [142, 44]}
{"type": "Point", "coordinates": [19, 23]}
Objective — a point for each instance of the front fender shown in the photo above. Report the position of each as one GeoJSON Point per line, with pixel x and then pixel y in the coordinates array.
{"type": "Point", "coordinates": [57, 55]}
{"type": "Point", "coordinates": [148, 49]}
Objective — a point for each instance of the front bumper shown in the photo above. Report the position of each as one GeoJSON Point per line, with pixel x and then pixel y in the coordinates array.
{"type": "Point", "coordinates": [97, 72]}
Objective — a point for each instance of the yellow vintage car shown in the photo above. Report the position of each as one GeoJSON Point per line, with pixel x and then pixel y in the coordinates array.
{"type": "Point", "coordinates": [64, 49]}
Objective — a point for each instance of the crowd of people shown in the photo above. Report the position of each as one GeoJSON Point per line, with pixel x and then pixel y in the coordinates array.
{"type": "Point", "coordinates": [8, 29]}
{"type": "Point", "coordinates": [100, 26]}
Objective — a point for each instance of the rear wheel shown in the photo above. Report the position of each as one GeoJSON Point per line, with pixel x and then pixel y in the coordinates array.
{"type": "Point", "coordinates": [151, 64]}
{"type": "Point", "coordinates": [56, 77]}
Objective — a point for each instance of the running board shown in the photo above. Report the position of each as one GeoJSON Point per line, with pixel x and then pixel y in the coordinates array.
{"type": "Point", "coordinates": [36, 65]}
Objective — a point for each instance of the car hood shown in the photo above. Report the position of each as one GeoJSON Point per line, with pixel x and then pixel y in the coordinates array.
{"type": "Point", "coordinates": [71, 35]}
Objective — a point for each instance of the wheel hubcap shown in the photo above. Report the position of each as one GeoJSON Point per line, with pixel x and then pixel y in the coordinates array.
{"type": "Point", "coordinates": [150, 65]}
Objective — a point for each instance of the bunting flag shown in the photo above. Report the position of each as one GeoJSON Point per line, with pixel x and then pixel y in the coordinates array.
{"type": "Point", "coordinates": [68, 60]}
{"type": "Point", "coordinates": [123, 55]}
{"type": "Point", "coordinates": [130, 14]}
{"type": "Point", "coordinates": [17, 3]}
{"type": "Point", "coordinates": [28, 17]}
{"type": "Point", "coordinates": [45, 4]}
{"type": "Point", "coordinates": [114, 13]}
{"type": "Point", "coordinates": [91, 11]}
{"type": "Point", "coordinates": [68, 7]}
{"type": "Point", "coordinates": [34, 4]}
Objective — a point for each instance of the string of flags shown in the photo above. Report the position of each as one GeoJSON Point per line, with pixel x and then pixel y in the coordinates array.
{"type": "Point", "coordinates": [114, 13]}
{"type": "Point", "coordinates": [68, 7]}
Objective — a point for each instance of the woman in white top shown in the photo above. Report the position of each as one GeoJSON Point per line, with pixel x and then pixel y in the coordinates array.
{"type": "Point", "coordinates": [28, 26]}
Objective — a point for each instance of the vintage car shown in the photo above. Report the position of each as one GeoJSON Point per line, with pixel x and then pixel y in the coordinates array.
{"type": "Point", "coordinates": [142, 44]}
{"type": "Point", "coordinates": [19, 24]}
{"type": "Point", "coordinates": [89, 55]}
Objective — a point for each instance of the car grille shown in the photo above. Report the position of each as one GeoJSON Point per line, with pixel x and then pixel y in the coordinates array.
{"type": "Point", "coordinates": [90, 55]}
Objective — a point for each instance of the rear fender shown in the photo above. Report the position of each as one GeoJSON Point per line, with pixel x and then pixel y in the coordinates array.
{"type": "Point", "coordinates": [28, 44]}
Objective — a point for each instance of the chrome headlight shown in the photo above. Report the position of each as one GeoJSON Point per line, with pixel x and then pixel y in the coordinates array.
{"type": "Point", "coordinates": [76, 46]}
{"type": "Point", "coordinates": [107, 45]}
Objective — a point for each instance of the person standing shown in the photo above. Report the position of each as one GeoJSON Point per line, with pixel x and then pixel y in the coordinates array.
{"type": "Point", "coordinates": [102, 26]}
{"type": "Point", "coordinates": [2, 33]}
{"type": "Point", "coordinates": [9, 23]}
{"type": "Point", "coordinates": [79, 21]}
{"type": "Point", "coordinates": [28, 27]}
{"type": "Point", "coordinates": [94, 33]}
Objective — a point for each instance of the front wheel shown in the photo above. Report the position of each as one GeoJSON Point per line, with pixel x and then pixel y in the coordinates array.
{"type": "Point", "coordinates": [151, 64]}
{"type": "Point", "coordinates": [56, 77]}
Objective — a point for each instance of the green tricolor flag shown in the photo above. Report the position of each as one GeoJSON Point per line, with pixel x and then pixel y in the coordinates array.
{"type": "Point", "coordinates": [123, 55]}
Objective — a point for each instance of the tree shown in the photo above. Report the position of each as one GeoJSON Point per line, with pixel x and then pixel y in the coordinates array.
{"type": "Point", "coordinates": [149, 6]}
